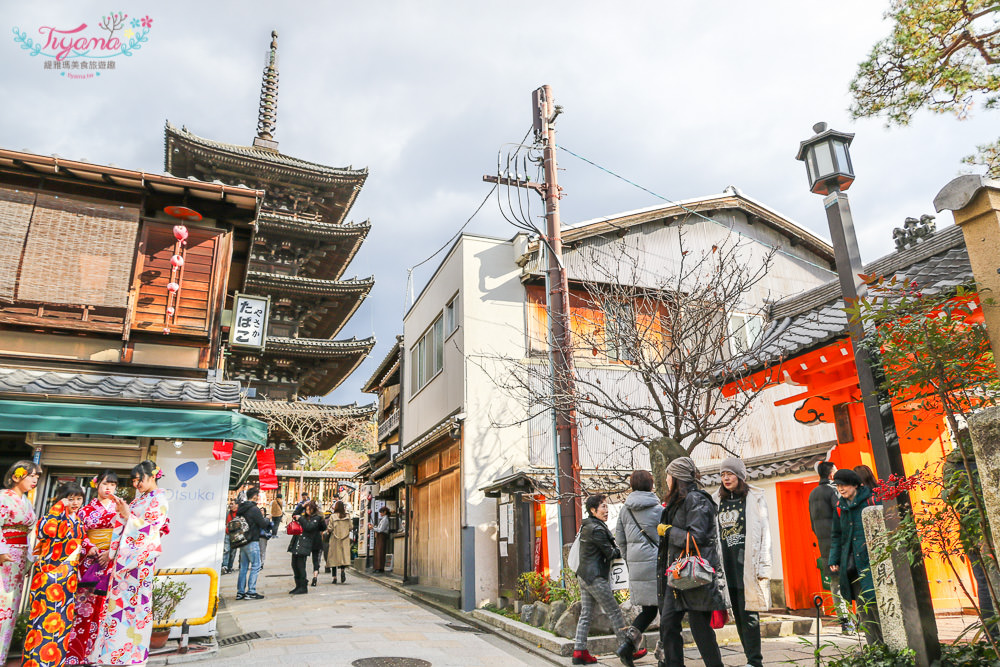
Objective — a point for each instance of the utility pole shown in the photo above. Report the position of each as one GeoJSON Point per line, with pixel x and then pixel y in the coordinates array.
{"type": "Point", "coordinates": [568, 482]}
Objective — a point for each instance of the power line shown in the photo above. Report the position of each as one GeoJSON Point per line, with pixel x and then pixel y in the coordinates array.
{"type": "Point", "coordinates": [694, 212]}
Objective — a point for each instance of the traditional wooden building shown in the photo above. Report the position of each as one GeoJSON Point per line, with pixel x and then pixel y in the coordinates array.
{"type": "Point", "coordinates": [297, 258]}
{"type": "Point", "coordinates": [806, 347]}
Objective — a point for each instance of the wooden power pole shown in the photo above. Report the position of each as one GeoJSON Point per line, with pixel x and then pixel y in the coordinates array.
{"type": "Point", "coordinates": [568, 482]}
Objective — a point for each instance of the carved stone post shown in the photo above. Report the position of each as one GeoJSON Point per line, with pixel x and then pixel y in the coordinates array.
{"type": "Point", "coordinates": [890, 611]}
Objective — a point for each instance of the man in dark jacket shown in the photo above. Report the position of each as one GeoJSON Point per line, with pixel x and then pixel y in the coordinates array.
{"type": "Point", "coordinates": [246, 587]}
{"type": "Point", "coordinates": [849, 558]}
{"type": "Point", "coordinates": [822, 511]}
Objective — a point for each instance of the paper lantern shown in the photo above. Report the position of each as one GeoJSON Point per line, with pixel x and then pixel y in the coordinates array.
{"type": "Point", "coordinates": [180, 233]}
{"type": "Point", "coordinates": [177, 261]}
{"type": "Point", "coordinates": [173, 287]}
{"type": "Point", "coordinates": [170, 310]}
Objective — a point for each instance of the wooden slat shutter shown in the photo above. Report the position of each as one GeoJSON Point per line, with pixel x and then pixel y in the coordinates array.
{"type": "Point", "coordinates": [198, 279]}
{"type": "Point", "coordinates": [78, 253]}
{"type": "Point", "coordinates": [15, 214]}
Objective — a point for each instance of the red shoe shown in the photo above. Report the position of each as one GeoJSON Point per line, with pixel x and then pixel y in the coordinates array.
{"type": "Point", "coordinates": [583, 658]}
{"type": "Point", "coordinates": [641, 653]}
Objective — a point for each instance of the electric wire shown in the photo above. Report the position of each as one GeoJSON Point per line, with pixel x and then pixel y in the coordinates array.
{"type": "Point", "coordinates": [694, 212]}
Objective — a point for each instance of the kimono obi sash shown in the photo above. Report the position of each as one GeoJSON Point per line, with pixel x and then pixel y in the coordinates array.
{"type": "Point", "coordinates": [17, 535]}
{"type": "Point", "coordinates": [100, 537]}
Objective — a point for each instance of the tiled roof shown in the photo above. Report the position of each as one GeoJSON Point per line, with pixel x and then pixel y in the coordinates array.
{"type": "Point", "coordinates": [385, 367]}
{"type": "Point", "coordinates": [311, 226]}
{"type": "Point", "coordinates": [128, 387]}
{"type": "Point", "coordinates": [805, 321]}
{"type": "Point", "coordinates": [263, 155]}
{"type": "Point", "coordinates": [789, 462]}
{"type": "Point", "coordinates": [317, 347]}
{"type": "Point", "coordinates": [274, 283]}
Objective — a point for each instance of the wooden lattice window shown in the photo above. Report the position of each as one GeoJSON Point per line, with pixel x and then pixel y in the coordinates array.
{"type": "Point", "coordinates": [201, 279]}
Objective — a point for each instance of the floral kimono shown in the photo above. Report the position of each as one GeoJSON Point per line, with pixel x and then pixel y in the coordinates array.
{"type": "Point", "coordinates": [17, 516]}
{"type": "Point", "coordinates": [53, 587]}
{"type": "Point", "coordinates": [98, 522]}
{"type": "Point", "coordinates": [123, 637]}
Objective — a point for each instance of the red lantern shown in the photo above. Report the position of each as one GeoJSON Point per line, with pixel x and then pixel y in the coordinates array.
{"type": "Point", "coordinates": [177, 261]}
{"type": "Point", "coordinates": [173, 287]}
{"type": "Point", "coordinates": [180, 233]}
{"type": "Point", "coordinates": [170, 310]}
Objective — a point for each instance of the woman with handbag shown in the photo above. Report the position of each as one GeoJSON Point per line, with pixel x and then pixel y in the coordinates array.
{"type": "Point", "coordinates": [689, 538]}
{"type": "Point", "coordinates": [636, 536]}
{"type": "Point", "coordinates": [51, 608]}
{"type": "Point", "coordinates": [301, 547]}
{"type": "Point", "coordinates": [597, 550]}
{"type": "Point", "coordinates": [98, 519]}
{"type": "Point", "coordinates": [745, 551]}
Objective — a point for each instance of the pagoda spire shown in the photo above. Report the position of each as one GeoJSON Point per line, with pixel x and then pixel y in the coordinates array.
{"type": "Point", "coordinates": [267, 117]}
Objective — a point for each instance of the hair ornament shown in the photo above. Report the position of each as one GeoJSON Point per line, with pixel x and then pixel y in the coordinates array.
{"type": "Point", "coordinates": [93, 482]}
{"type": "Point", "coordinates": [19, 473]}
{"type": "Point", "coordinates": [157, 473]}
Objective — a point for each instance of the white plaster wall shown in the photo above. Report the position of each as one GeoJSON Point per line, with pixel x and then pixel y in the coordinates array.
{"type": "Point", "coordinates": [494, 432]}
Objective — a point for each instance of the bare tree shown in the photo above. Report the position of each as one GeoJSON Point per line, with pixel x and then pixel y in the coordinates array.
{"type": "Point", "coordinates": [313, 427]}
{"type": "Point", "coordinates": [670, 328]}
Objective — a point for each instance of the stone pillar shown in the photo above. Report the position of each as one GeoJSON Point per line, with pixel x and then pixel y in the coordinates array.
{"type": "Point", "coordinates": [984, 427]}
{"type": "Point", "coordinates": [975, 203]}
{"type": "Point", "coordinates": [890, 611]}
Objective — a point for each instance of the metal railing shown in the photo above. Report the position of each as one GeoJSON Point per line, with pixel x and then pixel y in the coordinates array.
{"type": "Point", "coordinates": [213, 596]}
{"type": "Point", "coordinates": [387, 425]}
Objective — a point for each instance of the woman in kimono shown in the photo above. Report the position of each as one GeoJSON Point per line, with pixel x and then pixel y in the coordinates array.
{"type": "Point", "coordinates": [98, 519]}
{"type": "Point", "coordinates": [17, 517]}
{"type": "Point", "coordinates": [123, 637]}
{"type": "Point", "coordinates": [53, 586]}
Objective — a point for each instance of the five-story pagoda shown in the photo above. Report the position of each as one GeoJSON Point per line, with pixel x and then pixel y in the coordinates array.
{"type": "Point", "coordinates": [299, 254]}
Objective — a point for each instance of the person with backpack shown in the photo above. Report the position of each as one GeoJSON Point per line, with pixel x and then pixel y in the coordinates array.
{"type": "Point", "coordinates": [635, 535]}
{"type": "Point", "coordinates": [597, 549]}
{"type": "Point", "coordinates": [688, 522]}
{"type": "Point", "coordinates": [228, 552]}
{"type": "Point", "coordinates": [849, 558]}
{"type": "Point", "coordinates": [244, 532]}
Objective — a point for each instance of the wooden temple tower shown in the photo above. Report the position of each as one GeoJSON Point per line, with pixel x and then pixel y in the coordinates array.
{"type": "Point", "coordinates": [298, 257]}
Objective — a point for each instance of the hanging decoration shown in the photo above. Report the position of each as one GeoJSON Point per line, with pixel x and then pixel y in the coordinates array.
{"type": "Point", "coordinates": [177, 260]}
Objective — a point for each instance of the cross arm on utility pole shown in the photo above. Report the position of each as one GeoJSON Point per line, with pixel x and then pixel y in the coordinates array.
{"type": "Point", "coordinates": [516, 183]}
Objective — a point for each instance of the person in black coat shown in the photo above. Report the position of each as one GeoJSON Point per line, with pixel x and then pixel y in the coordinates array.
{"type": "Point", "coordinates": [302, 546]}
{"type": "Point", "coordinates": [689, 511]}
{"type": "Point", "coordinates": [597, 550]}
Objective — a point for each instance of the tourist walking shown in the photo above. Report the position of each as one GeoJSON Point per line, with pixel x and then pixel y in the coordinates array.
{"type": "Point", "coordinates": [745, 543]}
{"type": "Point", "coordinates": [228, 551]}
{"type": "Point", "coordinates": [597, 550]}
{"type": "Point", "coordinates": [277, 513]}
{"type": "Point", "coordinates": [381, 539]}
{"type": "Point", "coordinates": [688, 517]}
{"type": "Point", "coordinates": [867, 476]}
{"type": "Point", "coordinates": [301, 546]}
{"type": "Point", "coordinates": [849, 558]}
{"type": "Point", "coordinates": [250, 563]}
{"type": "Point", "coordinates": [636, 536]}
{"type": "Point", "coordinates": [123, 637]}
{"type": "Point", "coordinates": [58, 548]}
{"type": "Point", "coordinates": [338, 554]}
{"type": "Point", "coordinates": [97, 519]}
{"type": "Point", "coordinates": [822, 511]}
{"type": "Point", "coordinates": [17, 517]}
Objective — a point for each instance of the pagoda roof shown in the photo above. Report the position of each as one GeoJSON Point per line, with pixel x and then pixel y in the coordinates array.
{"type": "Point", "coordinates": [187, 154]}
{"type": "Point", "coordinates": [316, 347]}
{"type": "Point", "coordinates": [320, 365]}
{"type": "Point", "coordinates": [334, 302]}
{"type": "Point", "coordinates": [338, 243]}
{"type": "Point", "coordinates": [306, 225]}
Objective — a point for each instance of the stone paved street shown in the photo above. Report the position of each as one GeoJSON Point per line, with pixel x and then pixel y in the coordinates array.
{"type": "Point", "coordinates": [336, 625]}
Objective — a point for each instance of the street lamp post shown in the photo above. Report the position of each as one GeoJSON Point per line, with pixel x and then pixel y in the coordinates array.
{"type": "Point", "coordinates": [828, 165]}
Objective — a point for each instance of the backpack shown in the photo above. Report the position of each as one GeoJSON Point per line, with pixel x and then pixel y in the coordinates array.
{"type": "Point", "coordinates": [239, 532]}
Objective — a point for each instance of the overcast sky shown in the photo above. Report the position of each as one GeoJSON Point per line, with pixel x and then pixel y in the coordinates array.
{"type": "Point", "coordinates": [682, 100]}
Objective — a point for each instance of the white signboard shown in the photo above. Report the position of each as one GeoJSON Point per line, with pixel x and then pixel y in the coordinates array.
{"type": "Point", "coordinates": [249, 321]}
{"type": "Point", "coordinates": [196, 486]}
{"type": "Point", "coordinates": [618, 577]}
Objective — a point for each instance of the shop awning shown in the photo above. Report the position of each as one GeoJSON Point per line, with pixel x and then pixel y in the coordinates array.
{"type": "Point", "coordinates": [118, 420]}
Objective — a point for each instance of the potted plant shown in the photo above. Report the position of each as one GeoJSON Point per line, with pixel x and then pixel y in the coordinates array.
{"type": "Point", "coordinates": [167, 594]}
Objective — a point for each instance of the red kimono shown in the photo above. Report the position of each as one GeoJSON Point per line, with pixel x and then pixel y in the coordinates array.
{"type": "Point", "coordinates": [97, 520]}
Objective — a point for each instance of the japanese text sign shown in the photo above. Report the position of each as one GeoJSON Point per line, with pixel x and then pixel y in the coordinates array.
{"type": "Point", "coordinates": [249, 321]}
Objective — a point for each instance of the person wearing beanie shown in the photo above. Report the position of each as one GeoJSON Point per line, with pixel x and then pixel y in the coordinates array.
{"type": "Point", "coordinates": [688, 512]}
{"type": "Point", "coordinates": [849, 558]}
{"type": "Point", "coordinates": [745, 551]}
